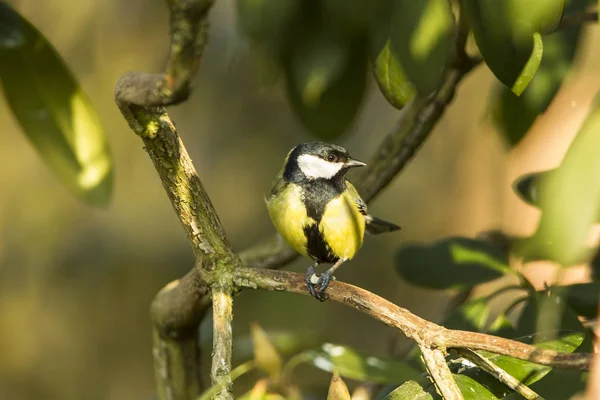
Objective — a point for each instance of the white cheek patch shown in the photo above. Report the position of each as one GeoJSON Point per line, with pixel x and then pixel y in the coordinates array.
{"type": "Point", "coordinates": [315, 167]}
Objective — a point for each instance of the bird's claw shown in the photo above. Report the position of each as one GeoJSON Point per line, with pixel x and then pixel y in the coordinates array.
{"type": "Point", "coordinates": [317, 283]}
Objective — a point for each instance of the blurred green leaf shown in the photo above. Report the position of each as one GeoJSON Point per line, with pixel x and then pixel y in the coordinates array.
{"type": "Point", "coordinates": [570, 197]}
{"type": "Point", "coordinates": [502, 327]}
{"type": "Point", "coordinates": [471, 316]}
{"type": "Point", "coordinates": [508, 35]}
{"type": "Point", "coordinates": [265, 354]}
{"type": "Point", "coordinates": [267, 23]}
{"type": "Point", "coordinates": [409, 390]}
{"type": "Point", "coordinates": [354, 365]}
{"type": "Point", "coordinates": [286, 343]}
{"type": "Point", "coordinates": [337, 388]}
{"type": "Point", "coordinates": [326, 80]}
{"type": "Point", "coordinates": [422, 38]}
{"type": "Point", "coordinates": [527, 186]}
{"type": "Point", "coordinates": [350, 17]}
{"type": "Point", "coordinates": [454, 262]}
{"type": "Point", "coordinates": [513, 115]}
{"type": "Point", "coordinates": [54, 113]}
{"type": "Point", "coordinates": [546, 313]}
{"type": "Point", "coordinates": [583, 298]}
{"type": "Point", "coordinates": [386, 68]}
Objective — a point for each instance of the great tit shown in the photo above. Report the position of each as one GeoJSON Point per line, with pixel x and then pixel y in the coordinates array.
{"type": "Point", "coordinates": [318, 211]}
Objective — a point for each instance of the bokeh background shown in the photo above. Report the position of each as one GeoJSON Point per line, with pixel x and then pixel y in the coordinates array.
{"type": "Point", "coordinates": [76, 282]}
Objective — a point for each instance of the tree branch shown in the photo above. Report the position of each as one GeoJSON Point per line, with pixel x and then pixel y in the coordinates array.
{"type": "Point", "coordinates": [572, 20]}
{"type": "Point", "coordinates": [498, 373]}
{"type": "Point", "coordinates": [222, 343]}
{"type": "Point", "coordinates": [423, 332]}
{"type": "Point", "coordinates": [436, 364]}
{"type": "Point", "coordinates": [178, 309]}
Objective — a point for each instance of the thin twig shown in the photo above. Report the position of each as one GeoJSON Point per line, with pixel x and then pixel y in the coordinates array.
{"type": "Point", "coordinates": [423, 332]}
{"type": "Point", "coordinates": [498, 373]}
{"type": "Point", "coordinates": [222, 343]}
{"type": "Point", "coordinates": [436, 364]}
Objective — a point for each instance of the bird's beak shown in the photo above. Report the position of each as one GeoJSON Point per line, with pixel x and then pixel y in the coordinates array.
{"type": "Point", "coordinates": [354, 163]}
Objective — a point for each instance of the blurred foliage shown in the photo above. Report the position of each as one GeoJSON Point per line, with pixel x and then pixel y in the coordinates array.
{"type": "Point", "coordinates": [75, 285]}
{"type": "Point", "coordinates": [54, 113]}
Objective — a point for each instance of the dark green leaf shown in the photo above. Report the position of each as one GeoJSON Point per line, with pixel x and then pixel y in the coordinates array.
{"type": "Point", "coordinates": [454, 262]}
{"type": "Point", "coordinates": [508, 36]}
{"type": "Point", "coordinates": [569, 199]}
{"type": "Point", "coordinates": [527, 186]}
{"type": "Point", "coordinates": [350, 17]}
{"type": "Point", "coordinates": [583, 298]}
{"type": "Point", "coordinates": [354, 365]}
{"type": "Point", "coordinates": [558, 384]}
{"type": "Point", "coordinates": [422, 37]}
{"type": "Point", "coordinates": [410, 390]}
{"type": "Point", "coordinates": [267, 23]}
{"type": "Point", "coordinates": [502, 327]}
{"type": "Point", "coordinates": [471, 316]}
{"type": "Point", "coordinates": [53, 111]}
{"type": "Point", "coordinates": [326, 81]}
{"type": "Point", "coordinates": [546, 312]}
{"type": "Point", "coordinates": [513, 115]}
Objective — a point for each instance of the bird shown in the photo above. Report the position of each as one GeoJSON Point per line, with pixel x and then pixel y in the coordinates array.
{"type": "Point", "coordinates": [319, 212]}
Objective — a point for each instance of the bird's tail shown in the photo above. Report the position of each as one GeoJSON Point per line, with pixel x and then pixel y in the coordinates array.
{"type": "Point", "coordinates": [376, 225]}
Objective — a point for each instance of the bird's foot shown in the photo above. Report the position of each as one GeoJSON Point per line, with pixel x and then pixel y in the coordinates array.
{"type": "Point", "coordinates": [311, 280]}
{"type": "Point", "coordinates": [322, 284]}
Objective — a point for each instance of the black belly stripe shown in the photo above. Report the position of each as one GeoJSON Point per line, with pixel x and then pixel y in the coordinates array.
{"type": "Point", "coordinates": [317, 194]}
{"type": "Point", "coordinates": [316, 246]}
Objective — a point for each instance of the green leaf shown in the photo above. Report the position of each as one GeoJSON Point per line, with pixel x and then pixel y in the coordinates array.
{"type": "Point", "coordinates": [350, 17]}
{"type": "Point", "coordinates": [265, 354]}
{"type": "Point", "coordinates": [354, 365]}
{"type": "Point", "coordinates": [454, 262]}
{"type": "Point", "coordinates": [528, 186]}
{"type": "Point", "coordinates": [508, 35]}
{"type": "Point", "coordinates": [470, 389]}
{"type": "Point", "coordinates": [547, 312]}
{"type": "Point", "coordinates": [558, 384]}
{"type": "Point", "coordinates": [570, 197]}
{"type": "Point", "coordinates": [387, 70]}
{"type": "Point", "coordinates": [326, 81]}
{"type": "Point", "coordinates": [422, 37]}
{"type": "Point", "coordinates": [409, 390]}
{"type": "Point", "coordinates": [583, 298]}
{"type": "Point", "coordinates": [54, 113]}
{"type": "Point", "coordinates": [528, 372]}
{"type": "Point", "coordinates": [471, 316]}
{"type": "Point", "coordinates": [269, 23]}
{"type": "Point", "coordinates": [513, 115]}
{"type": "Point", "coordinates": [502, 327]}
{"type": "Point", "coordinates": [391, 78]}
{"type": "Point", "coordinates": [285, 342]}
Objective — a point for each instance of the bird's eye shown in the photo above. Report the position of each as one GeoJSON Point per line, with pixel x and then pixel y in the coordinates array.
{"type": "Point", "coordinates": [331, 157]}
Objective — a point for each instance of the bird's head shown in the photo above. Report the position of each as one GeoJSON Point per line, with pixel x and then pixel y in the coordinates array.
{"type": "Point", "coordinates": [318, 160]}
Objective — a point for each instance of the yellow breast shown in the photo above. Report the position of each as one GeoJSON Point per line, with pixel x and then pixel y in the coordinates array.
{"type": "Point", "coordinates": [288, 215]}
{"type": "Point", "coordinates": [343, 226]}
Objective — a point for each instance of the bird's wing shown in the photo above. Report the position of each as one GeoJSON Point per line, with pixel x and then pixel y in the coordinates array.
{"type": "Point", "coordinates": [374, 225]}
{"type": "Point", "coordinates": [278, 183]}
{"type": "Point", "coordinates": [360, 203]}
